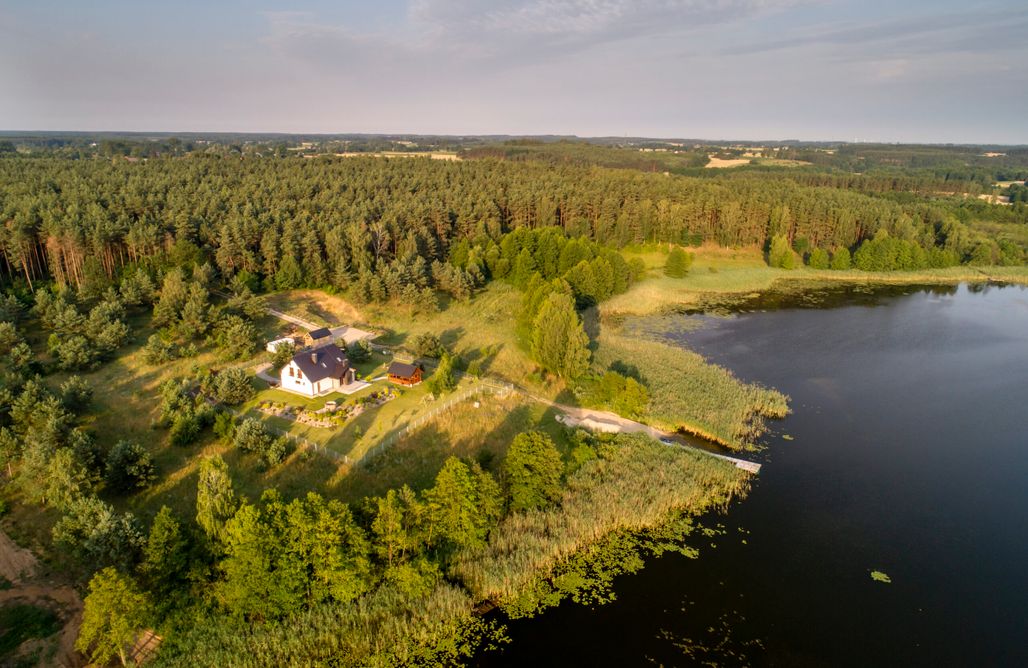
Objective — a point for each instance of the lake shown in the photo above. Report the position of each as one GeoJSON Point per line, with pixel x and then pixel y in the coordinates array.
{"type": "Point", "coordinates": [906, 452]}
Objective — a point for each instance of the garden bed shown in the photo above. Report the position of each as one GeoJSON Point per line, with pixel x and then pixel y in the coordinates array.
{"type": "Point", "coordinates": [333, 413]}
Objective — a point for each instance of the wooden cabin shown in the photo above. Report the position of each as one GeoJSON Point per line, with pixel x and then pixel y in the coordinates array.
{"type": "Point", "coordinates": [402, 373]}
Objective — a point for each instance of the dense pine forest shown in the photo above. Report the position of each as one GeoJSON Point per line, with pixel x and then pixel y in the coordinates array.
{"type": "Point", "coordinates": [342, 221]}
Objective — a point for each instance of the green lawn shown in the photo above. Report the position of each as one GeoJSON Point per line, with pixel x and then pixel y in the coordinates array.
{"type": "Point", "coordinates": [481, 328]}
{"type": "Point", "coordinates": [360, 434]}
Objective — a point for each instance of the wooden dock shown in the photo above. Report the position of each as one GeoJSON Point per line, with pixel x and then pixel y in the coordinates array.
{"type": "Point", "coordinates": [745, 465]}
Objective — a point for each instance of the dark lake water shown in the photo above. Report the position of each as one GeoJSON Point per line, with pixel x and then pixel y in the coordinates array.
{"type": "Point", "coordinates": [908, 454]}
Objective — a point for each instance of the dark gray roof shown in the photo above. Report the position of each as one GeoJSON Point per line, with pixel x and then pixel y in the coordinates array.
{"type": "Point", "coordinates": [321, 363]}
{"type": "Point", "coordinates": [401, 369]}
{"type": "Point", "coordinates": [320, 333]}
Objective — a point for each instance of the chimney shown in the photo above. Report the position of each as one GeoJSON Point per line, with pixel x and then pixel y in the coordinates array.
{"type": "Point", "coordinates": [314, 358]}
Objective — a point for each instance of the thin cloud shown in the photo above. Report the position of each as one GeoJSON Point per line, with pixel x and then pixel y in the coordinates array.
{"type": "Point", "coordinates": [577, 23]}
{"type": "Point", "coordinates": [933, 32]}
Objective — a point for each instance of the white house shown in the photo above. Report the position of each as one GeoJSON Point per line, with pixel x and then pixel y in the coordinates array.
{"type": "Point", "coordinates": [319, 371]}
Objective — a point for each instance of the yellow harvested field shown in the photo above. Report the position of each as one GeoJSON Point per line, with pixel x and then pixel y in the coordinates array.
{"type": "Point", "coordinates": [435, 155]}
{"type": "Point", "coordinates": [716, 163]}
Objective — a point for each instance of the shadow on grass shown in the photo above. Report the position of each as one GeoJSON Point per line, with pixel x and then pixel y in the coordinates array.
{"type": "Point", "coordinates": [626, 369]}
{"type": "Point", "coordinates": [484, 356]}
{"type": "Point", "coordinates": [414, 462]}
{"type": "Point", "coordinates": [450, 337]}
{"type": "Point", "coordinates": [591, 323]}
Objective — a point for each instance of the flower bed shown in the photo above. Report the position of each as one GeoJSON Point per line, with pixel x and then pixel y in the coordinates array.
{"type": "Point", "coordinates": [327, 416]}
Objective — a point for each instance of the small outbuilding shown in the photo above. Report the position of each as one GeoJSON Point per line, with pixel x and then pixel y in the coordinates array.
{"type": "Point", "coordinates": [402, 373]}
{"type": "Point", "coordinates": [273, 346]}
{"type": "Point", "coordinates": [317, 337]}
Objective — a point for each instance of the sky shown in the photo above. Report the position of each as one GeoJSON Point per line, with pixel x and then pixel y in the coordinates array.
{"type": "Point", "coordinates": [866, 70]}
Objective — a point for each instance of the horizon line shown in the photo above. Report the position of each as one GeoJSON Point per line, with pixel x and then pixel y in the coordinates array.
{"type": "Point", "coordinates": [856, 141]}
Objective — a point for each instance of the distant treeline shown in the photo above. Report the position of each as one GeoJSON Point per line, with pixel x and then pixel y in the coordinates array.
{"type": "Point", "coordinates": [340, 222]}
{"type": "Point", "coordinates": [978, 164]}
{"type": "Point", "coordinates": [583, 153]}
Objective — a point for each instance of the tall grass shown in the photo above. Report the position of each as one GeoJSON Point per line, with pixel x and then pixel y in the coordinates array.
{"type": "Point", "coordinates": [689, 393]}
{"type": "Point", "coordinates": [636, 483]}
{"type": "Point", "coordinates": [387, 628]}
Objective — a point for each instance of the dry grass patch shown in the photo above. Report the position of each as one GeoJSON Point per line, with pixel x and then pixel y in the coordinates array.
{"type": "Point", "coordinates": [317, 306]}
{"type": "Point", "coordinates": [482, 434]}
{"type": "Point", "coordinates": [719, 163]}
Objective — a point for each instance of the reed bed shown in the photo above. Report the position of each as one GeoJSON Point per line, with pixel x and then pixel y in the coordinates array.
{"type": "Point", "coordinates": [387, 628]}
{"type": "Point", "coordinates": [635, 484]}
{"type": "Point", "coordinates": [689, 393]}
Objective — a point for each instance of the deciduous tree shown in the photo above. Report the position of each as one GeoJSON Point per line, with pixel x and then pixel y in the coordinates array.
{"type": "Point", "coordinates": [215, 499]}
{"type": "Point", "coordinates": [532, 471]}
{"type": "Point", "coordinates": [559, 341]}
{"type": "Point", "coordinates": [114, 612]}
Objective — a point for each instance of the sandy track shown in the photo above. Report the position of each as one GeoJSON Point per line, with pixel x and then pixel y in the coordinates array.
{"type": "Point", "coordinates": [16, 563]}
{"type": "Point", "coordinates": [19, 566]}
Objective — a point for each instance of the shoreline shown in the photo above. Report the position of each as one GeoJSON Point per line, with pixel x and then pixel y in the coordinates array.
{"type": "Point", "coordinates": [697, 291]}
{"type": "Point", "coordinates": [744, 272]}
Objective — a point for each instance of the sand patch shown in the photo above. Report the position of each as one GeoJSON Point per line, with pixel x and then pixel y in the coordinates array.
{"type": "Point", "coordinates": [16, 563]}
{"type": "Point", "coordinates": [18, 566]}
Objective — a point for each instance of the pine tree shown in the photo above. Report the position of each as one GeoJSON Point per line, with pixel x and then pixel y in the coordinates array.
{"type": "Point", "coordinates": [129, 467]}
{"type": "Point", "coordinates": [453, 506]}
{"type": "Point", "coordinates": [196, 313]}
{"type": "Point", "coordinates": [289, 274]}
{"type": "Point", "coordinates": [677, 263]}
{"type": "Point", "coordinates": [165, 555]}
{"type": "Point", "coordinates": [256, 584]}
{"type": "Point", "coordinates": [173, 295]}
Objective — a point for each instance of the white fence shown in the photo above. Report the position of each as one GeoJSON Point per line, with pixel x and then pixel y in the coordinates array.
{"type": "Point", "coordinates": [304, 444]}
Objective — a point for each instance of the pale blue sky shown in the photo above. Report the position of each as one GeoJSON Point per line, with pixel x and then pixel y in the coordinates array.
{"type": "Point", "coordinates": [910, 70]}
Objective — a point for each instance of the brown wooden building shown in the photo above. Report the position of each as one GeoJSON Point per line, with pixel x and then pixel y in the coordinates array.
{"type": "Point", "coordinates": [404, 374]}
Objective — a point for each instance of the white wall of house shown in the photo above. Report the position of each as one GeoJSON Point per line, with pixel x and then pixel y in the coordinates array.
{"type": "Point", "coordinates": [292, 379]}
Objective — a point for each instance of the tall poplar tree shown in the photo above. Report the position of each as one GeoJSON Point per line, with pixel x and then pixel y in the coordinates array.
{"type": "Point", "coordinates": [559, 341]}
{"type": "Point", "coordinates": [215, 500]}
